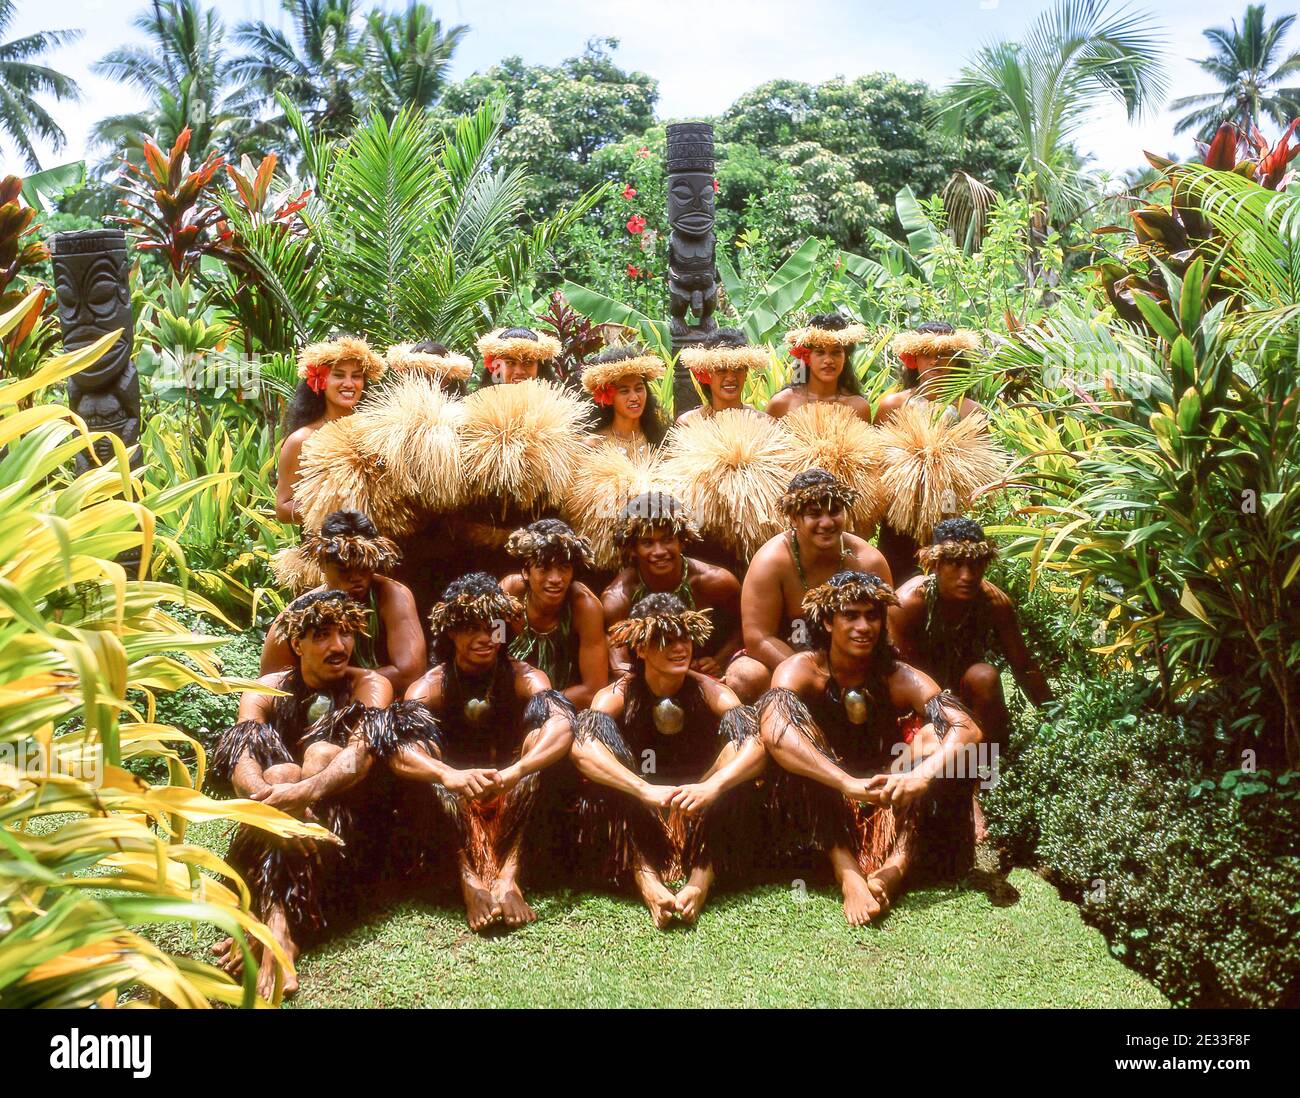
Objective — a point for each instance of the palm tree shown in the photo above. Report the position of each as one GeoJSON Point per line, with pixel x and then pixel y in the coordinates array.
{"type": "Point", "coordinates": [21, 81]}
{"type": "Point", "coordinates": [1248, 63]}
{"type": "Point", "coordinates": [409, 54]}
{"type": "Point", "coordinates": [1076, 55]}
{"type": "Point", "coordinates": [184, 71]}
{"type": "Point", "coordinates": [319, 72]}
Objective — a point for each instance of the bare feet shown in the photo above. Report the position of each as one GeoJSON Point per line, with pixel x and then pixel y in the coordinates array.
{"type": "Point", "coordinates": [278, 925]}
{"type": "Point", "coordinates": [661, 902]}
{"type": "Point", "coordinates": [229, 958]}
{"type": "Point", "coordinates": [690, 900]}
{"type": "Point", "coordinates": [514, 908]}
{"type": "Point", "coordinates": [860, 902]}
{"type": "Point", "coordinates": [885, 884]}
{"type": "Point", "coordinates": [481, 908]}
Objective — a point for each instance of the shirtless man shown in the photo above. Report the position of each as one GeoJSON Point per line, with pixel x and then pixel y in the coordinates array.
{"type": "Point", "coordinates": [350, 556]}
{"type": "Point", "coordinates": [481, 727]}
{"type": "Point", "coordinates": [334, 375]}
{"type": "Point", "coordinates": [652, 530]}
{"type": "Point", "coordinates": [824, 348]}
{"type": "Point", "coordinates": [832, 719]}
{"type": "Point", "coordinates": [305, 754]}
{"type": "Point", "coordinates": [562, 630]}
{"type": "Point", "coordinates": [951, 622]}
{"type": "Point", "coordinates": [666, 745]}
{"type": "Point", "coordinates": [785, 569]}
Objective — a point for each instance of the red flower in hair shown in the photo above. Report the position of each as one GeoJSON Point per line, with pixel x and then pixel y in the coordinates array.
{"type": "Point", "coordinates": [702, 376]}
{"type": "Point", "coordinates": [318, 375]}
{"type": "Point", "coordinates": [604, 394]}
{"type": "Point", "coordinates": [632, 272]}
{"type": "Point", "coordinates": [635, 224]}
{"type": "Point", "coordinates": [629, 192]}
{"type": "Point", "coordinates": [803, 354]}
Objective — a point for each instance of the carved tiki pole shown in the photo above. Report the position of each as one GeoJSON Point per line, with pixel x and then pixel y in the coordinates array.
{"type": "Point", "coordinates": [90, 279]}
{"type": "Point", "coordinates": [692, 276]}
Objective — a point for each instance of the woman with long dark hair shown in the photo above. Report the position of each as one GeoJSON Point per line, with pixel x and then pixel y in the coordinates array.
{"type": "Point", "coordinates": [625, 410]}
{"type": "Point", "coordinates": [334, 375]}
{"type": "Point", "coordinates": [824, 349]}
{"type": "Point", "coordinates": [927, 354]}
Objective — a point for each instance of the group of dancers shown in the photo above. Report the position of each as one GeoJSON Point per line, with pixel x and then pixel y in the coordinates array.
{"type": "Point", "coordinates": [623, 699]}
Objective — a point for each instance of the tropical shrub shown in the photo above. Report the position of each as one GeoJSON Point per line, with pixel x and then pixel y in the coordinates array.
{"type": "Point", "coordinates": [91, 853]}
{"type": "Point", "coordinates": [1185, 863]}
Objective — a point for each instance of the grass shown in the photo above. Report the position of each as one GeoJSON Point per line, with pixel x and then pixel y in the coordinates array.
{"type": "Point", "coordinates": [768, 947]}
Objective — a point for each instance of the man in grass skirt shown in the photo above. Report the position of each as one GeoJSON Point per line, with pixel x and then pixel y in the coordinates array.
{"type": "Point", "coordinates": [305, 753]}
{"type": "Point", "coordinates": [865, 740]}
{"type": "Point", "coordinates": [670, 756]}
{"type": "Point", "coordinates": [480, 728]}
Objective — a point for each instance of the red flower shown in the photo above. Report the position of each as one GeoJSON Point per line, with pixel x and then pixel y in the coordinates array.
{"type": "Point", "coordinates": [605, 394]}
{"type": "Point", "coordinates": [643, 152]}
{"type": "Point", "coordinates": [803, 354]}
{"type": "Point", "coordinates": [702, 376]}
{"type": "Point", "coordinates": [629, 192]}
{"type": "Point", "coordinates": [318, 375]}
{"type": "Point", "coordinates": [635, 224]}
{"type": "Point", "coordinates": [716, 187]}
{"type": "Point", "coordinates": [632, 272]}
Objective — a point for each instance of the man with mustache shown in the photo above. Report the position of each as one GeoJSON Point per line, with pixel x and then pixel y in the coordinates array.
{"type": "Point", "coordinates": [348, 555]}
{"type": "Point", "coordinates": [480, 728]}
{"type": "Point", "coordinates": [670, 756]}
{"type": "Point", "coordinates": [791, 564]}
{"type": "Point", "coordinates": [305, 753]}
{"type": "Point", "coordinates": [857, 785]}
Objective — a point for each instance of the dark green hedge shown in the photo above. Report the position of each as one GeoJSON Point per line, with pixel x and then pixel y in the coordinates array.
{"type": "Point", "coordinates": [1190, 869]}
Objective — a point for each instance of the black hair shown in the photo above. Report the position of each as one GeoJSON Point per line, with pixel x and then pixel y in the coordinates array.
{"type": "Point", "coordinates": [958, 529]}
{"type": "Point", "coordinates": [553, 544]}
{"type": "Point", "coordinates": [884, 655]}
{"type": "Point", "coordinates": [911, 377]}
{"type": "Point", "coordinates": [348, 524]}
{"type": "Point", "coordinates": [810, 477]}
{"type": "Point", "coordinates": [474, 584]}
{"type": "Point", "coordinates": [544, 369]}
{"type": "Point", "coordinates": [658, 602]}
{"type": "Point", "coordinates": [302, 602]}
{"type": "Point", "coordinates": [722, 338]}
{"type": "Point", "coordinates": [653, 425]}
{"type": "Point", "coordinates": [835, 322]}
{"type": "Point", "coordinates": [304, 407]}
{"type": "Point", "coordinates": [454, 386]}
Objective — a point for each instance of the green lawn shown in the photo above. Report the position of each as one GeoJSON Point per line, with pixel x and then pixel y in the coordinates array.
{"type": "Point", "coordinates": [771, 946]}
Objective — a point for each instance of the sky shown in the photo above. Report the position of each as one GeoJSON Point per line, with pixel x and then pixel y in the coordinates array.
{"type": "Point", "coordinates": [704, 53]}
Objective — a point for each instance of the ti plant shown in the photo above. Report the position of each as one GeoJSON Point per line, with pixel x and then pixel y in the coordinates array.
{"type": "Point", "coordinates": [171, 210]}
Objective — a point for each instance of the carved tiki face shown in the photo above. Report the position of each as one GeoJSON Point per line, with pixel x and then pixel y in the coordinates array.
{"type": "Point", "coordinates": [690, 203]}
{"type": "Point", "coordinates": [90, 279]}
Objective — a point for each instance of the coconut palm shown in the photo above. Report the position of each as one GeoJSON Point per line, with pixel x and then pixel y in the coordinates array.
{"type": "Point", "coordinates": [183, 69]}
{"type": "Point", "coordinates": [22, 80]}
{"type": "Point", "coordinates": [409, 54]}
{"type": "Point", "coordinates": [1076, 56]}
{"type": "Point", "coordinates": [320, 71]}
{"type": "Point", "coordinates": [1249, 64]}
